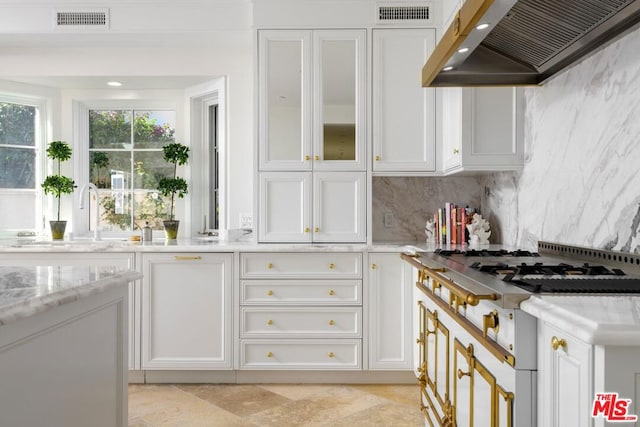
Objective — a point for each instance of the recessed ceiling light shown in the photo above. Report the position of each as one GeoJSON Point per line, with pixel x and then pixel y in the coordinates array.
{"type": "Point", "coordinates": [447, 68]}
{"type": "Point", "coordinates": [482, 26]}
{"type": "Point", "coordinates": [114, 84]}
{"type": "Point", "coordinates": [463, 50]}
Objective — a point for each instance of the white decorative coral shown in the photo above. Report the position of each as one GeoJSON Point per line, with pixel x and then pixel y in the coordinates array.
{"type": "Point", "coordinates": [479, 230]}
{"type": "Point", "coordinates": [430, 231]}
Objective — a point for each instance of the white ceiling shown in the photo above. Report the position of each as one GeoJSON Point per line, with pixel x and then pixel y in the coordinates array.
{"type": "Point", "coordinates": [100, 82]}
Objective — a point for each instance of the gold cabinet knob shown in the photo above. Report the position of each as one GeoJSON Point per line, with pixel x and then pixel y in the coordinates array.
{"type": "Point", "coordinates": [269, 354]}
{"type": "Point", "coordinates": [556, 342]}
{"type": "Point", "coordinates": [317, 157]}
{"type": "Point", "coordinates": [490, 320]}
{"type": "Point", "coordinates": [307, 157]}
{"type": "Point", "coordinates": [270, 266]}
{"type": "Point", "coordinates": [462, 374]}
{"type": "Point", "coordinates": [269, 292]}
{"type": "Point", "coordinates": [269, 322]}
{"type": "Point", "coordinates": [377, 158]}
{"type": "Point", "coordinates": [332, 322]}
{"type": "Point", "coordinates": [374, 266]}
{"type": "Point", "coordinates": [331, 354]}
{"type": "Point", "coordinates": [307, 230]}
{"type": "Point", "coordinates": [456, 151]}
{"type": "Point", "coordinates": [332, 266]}
{"type": "Point", "coordinates": [317, 229]}
{"type": "Point", "coordinates": [332, 292]}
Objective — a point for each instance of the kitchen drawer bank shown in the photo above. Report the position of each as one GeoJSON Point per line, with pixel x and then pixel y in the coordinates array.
{"type": "Point", "coordinates": [304, 319]}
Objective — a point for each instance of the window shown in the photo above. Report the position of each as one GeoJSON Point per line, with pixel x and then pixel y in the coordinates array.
{"type": "Point", "coordinates": [126, 162]}
{"type": "Point", "coordinates": [20, 157]}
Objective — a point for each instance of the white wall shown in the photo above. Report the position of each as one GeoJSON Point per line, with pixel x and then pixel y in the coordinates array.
{"type": "Point", "coordinates": [581, 181]}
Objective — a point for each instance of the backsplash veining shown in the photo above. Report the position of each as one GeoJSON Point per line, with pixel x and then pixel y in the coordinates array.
{"type": "Point", "coordinates": [411, 200]}
{"type": "Point", "coordinates": [581, 180]}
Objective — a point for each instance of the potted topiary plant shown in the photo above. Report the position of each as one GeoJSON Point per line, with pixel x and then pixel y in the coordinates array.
{"type": "Point", "coordinates": [58, 184]}
{"type": "Point", "coordinates": [177, 154]}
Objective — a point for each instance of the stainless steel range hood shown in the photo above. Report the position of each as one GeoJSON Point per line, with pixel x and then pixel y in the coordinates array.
{"type": "Point", "coordinates": [526, 41]}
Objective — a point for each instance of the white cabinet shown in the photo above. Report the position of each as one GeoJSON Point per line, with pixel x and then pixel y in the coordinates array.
{"type": "Point", "coordinates": [565, 380]}
{"type": "Point", "coordinates": [312, 207]}
{"type": "Point", "coordinates": [312, 98]}
{"type": "Point", "coordinates": [482, 129]}
{"type": "Point", "coordinates": [122, 260]}
{"type": "Point", "coordinates": [187, 311]}
{"type": "Point", "coordinates": [301, 311]}
{"type": "Point", "coordinates": [390, 312]}
{"type": "Point", "coordinates": [403, 125]}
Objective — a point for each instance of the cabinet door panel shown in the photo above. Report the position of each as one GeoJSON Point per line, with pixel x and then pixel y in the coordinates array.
{"type": "Point", "coordinates": [186, 311]}
{"type": "Point", "coordinates": [339, 206]}
{"type": "Point", "coordinates": [285, 207]}
{"type": "Point", "coordinates": [404, 128]}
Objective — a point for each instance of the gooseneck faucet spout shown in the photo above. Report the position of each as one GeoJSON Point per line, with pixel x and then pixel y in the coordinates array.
{"type": "Point", "coordinates": [85, 189]}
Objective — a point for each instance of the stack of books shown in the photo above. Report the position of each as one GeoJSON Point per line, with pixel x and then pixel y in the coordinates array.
{"type": "Point", "coordinates": [451, 224]}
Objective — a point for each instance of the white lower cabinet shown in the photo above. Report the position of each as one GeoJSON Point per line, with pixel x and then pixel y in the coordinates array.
{"type": "Point", "coordinates": [390, 312]}
{"type": "Point", "coordinates": [187, 311]}
{"type": "Point", "coordinates": [301, 311]}
{"type": "Point", "coordinates": [122, 260]}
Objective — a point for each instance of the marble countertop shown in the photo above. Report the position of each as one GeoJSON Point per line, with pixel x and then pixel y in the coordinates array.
{"type": "Point", "coordinates": [600, 320]}
{"type": "Point", "coordinates": [25, 291]}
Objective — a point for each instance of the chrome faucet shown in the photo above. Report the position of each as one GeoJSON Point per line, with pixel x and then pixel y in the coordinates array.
{"type": "Point", "coordinates": [85, 189]}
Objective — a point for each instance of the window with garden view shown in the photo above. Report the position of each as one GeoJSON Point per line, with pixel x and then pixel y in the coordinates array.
{"type": "Point", "coordinates": [126, 163]}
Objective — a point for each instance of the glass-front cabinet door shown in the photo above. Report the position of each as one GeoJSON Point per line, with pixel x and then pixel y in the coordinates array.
{"type": "Point", "coordinates": [312, 94]}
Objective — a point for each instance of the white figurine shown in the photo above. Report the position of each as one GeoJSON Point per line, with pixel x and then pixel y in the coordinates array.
{"type": "Point", "coordinates": [430, 231]}
{"type": "Point", "coordinates": [479, 230]}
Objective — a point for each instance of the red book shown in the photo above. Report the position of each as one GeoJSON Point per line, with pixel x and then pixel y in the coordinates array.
{"type": "Point", "coordinates": [454, 225]}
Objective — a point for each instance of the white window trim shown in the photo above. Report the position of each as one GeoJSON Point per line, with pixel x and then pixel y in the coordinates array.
{"type": "Point", "coordinates": [81, 165]}
{"type": "Point", "coordinates": [42, 135]}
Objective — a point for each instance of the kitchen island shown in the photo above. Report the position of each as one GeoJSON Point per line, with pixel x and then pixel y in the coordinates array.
{"type": "Point", "coordinates": [63, 345]}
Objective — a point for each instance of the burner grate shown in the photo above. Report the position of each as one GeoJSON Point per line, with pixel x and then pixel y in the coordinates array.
{"type": "Point", "coordinates": [602, 285]}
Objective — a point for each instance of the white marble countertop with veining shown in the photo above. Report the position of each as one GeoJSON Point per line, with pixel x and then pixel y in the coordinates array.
{"type": "Point", "coordinates": [600, 320]}
{"type": "Point", "coordinates": [25, 291]}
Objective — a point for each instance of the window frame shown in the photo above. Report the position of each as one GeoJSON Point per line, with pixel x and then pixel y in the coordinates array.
{"type": "Point", "coordinates": [81, 223]}
{"type": "Point", "coordinates": [41, 136]}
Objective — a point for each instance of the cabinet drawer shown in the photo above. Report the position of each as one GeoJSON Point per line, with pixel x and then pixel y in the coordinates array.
{"type": "Point", "coordinates": [339, 265]}
{"type": "Point", "coordinates": [301, 354]}
{"type": "Point", "coordinates": [340, 322]}
{"type": "Point", "coordinates": [309, 292]}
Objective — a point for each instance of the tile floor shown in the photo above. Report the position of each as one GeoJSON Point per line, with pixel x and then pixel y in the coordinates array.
{"type": "Point", "coordinates": [199, 405]}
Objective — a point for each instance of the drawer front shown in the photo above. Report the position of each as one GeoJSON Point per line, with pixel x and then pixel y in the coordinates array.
{"type": "Point", "coordinates": [301, 354]}
{"type": "Point", "coordinates": [338, 265]}
{"type": "Point", "coordinates": [308, 292]}
{"type": "Point", "coordinates": [307, 322]}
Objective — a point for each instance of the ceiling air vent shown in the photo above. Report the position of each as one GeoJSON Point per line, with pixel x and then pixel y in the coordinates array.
{"type": "Point", "coordinates": [397, 13]}
{"type": "Point", "coordinates": [82, 19]}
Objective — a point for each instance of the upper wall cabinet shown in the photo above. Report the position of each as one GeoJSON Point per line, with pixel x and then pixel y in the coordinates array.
{"type": "Point", "coordinates": [482, 129]}
{"type": "Point", "coordinates": [312, 93]}
{"type": "Point", "coordinates": [403, 125]}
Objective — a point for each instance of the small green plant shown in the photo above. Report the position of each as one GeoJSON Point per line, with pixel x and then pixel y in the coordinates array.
{"type": "Point", "coordinates": [58, 184]}
{"type": "Point", "coordinates": [177, 154]}
{"type": "Point", "coordinates": [99, 160]}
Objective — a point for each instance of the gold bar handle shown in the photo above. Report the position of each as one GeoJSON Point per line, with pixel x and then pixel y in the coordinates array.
{"type": "Point", "coordinates": [186, 258]}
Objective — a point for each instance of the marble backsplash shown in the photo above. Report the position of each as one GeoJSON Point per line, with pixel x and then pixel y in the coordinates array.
{"type": "Point", "coordinates": [581, 180]}
{"type": "Point", "coordinates": [411, 200]}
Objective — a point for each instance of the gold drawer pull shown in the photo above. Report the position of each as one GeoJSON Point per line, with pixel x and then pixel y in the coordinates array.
{"type": "Point", "coordinates": [307, 230]}
{"type": "Point", "coordinates": [555, 343]}
{"type": "Point", "coordinates": [462, 374]}
{"type": "Point", "coordinates": [332, 292]}
{"type": "Point", "coordinates": [374, 266]}
{"type": "Point", "coordinates": [270, 292]}
{"type": "Point", "coordinates": [269, 322]}
{"type": "Point", "coordinates": [269, 354]}
{"type": "Point", "coordinates": [332, 266]}
{"type": "Point", "coordinates": [377, 158]}
{"type": "Point", "coordinates": [317, 229]}
{"type": "Point", "coordinates": [307, 157]}
{"type": "Point", "coordinates": [270, 266]}
{"type": "Point", "coordinates": [456, 151]}
{"type": "Point", "coordinates": [331, 322]}
{"type": "Point", "coordinates": [317, 157]}
{"type": "Point", "coordinates": [331, 354]}
{"type": "Point", "coordinates": [186, 258]}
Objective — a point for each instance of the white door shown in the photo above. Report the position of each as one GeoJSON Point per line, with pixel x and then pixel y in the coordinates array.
{"type": "Point", "coordinates": [390, 312]}
{"type": "Point", "coordinates": [404, 128]}
{"type": "Point", "coordinates": [339, 206]}
{"type": "Point", "coordinates": [187, 311]}
{"type": "Point", "coordinates": [451, 127]}
{"type": "Point", "coordinates": [285, 207]}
